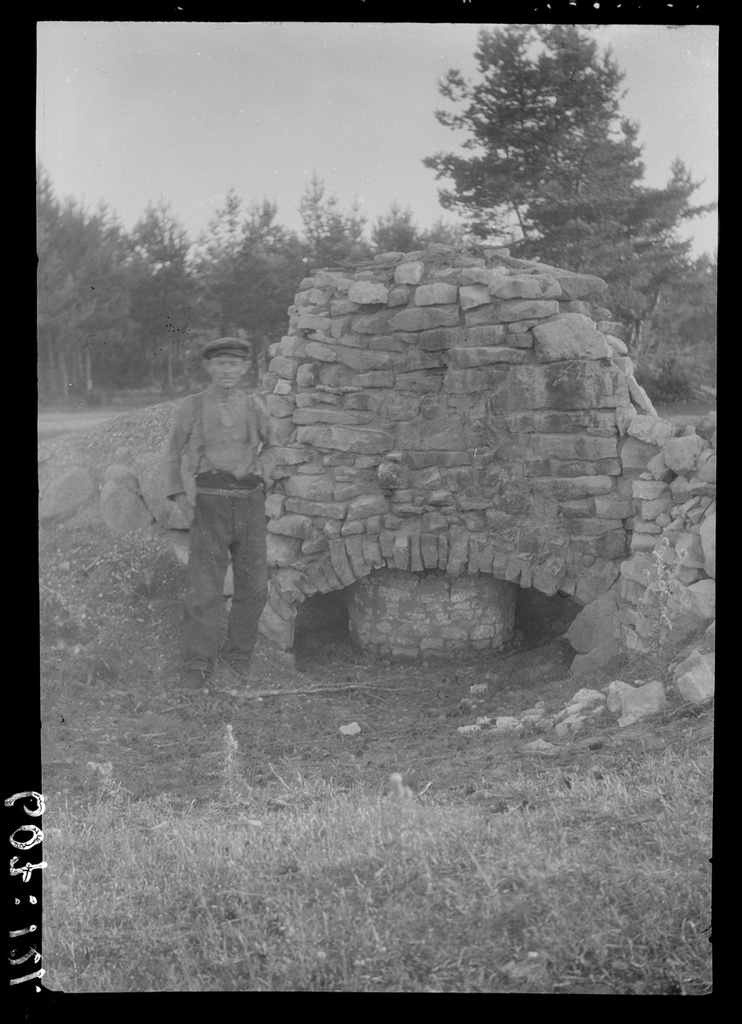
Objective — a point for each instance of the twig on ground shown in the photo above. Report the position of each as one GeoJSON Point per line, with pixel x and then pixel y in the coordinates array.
{"type": "Point", "coordinates": [279, 777]}
{"type": "Point", "coordinates": [254, 694]}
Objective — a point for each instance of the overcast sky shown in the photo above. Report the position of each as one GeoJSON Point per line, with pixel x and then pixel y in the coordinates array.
{"type": "Point", "coordinates": [131, 112]}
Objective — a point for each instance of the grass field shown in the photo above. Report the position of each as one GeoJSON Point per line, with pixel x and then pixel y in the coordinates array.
{"type": "Point", "coordinates": [601, 885]}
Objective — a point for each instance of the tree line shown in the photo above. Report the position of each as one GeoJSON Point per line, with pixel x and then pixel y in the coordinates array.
{"type": "Point", "coordinates": [128, 310]}
{"type": "Point", "coordinates": [546, 165]}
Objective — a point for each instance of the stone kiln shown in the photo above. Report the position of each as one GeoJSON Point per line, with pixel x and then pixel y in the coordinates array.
{"type": "Point", "coordinates": [451, 423]}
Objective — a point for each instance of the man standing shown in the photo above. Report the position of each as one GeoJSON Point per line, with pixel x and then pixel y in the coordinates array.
{"type": "Point", "coordinates": [220, 459]}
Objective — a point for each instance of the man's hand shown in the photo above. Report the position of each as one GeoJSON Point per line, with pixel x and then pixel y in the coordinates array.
{"type": "Point", "coordinates": [186, 507]}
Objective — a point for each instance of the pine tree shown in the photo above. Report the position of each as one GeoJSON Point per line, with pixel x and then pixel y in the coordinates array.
{"type": "Point", "coordinates": [552, 169]}
{"type": "Point", "coordinates": [162, 292]}
{"type": "Point", "coordinates": [332, 237]}
{"type": "Point", "coordinates": [83, 324]}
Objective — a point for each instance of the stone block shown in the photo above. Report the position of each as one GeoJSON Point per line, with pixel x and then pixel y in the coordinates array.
{"type": "Point", "coordinates": [572, 446]}
{"type": "Point", "coordinates": [706, 466]}
{"type": "Point", "coordinates": [367, 505]}
{"type": "Point", "coordinates": [323, 509]}
{"type": "Point", "coordinates": [640, 568]}
{"type": "Point", "coordinates": [569, 726]}
{"type": "Point", "coordinates": [619, 347]}
{"type": "Point", "coordinates": [368, 293]}
{"type": "Point", "coordinates": [651, 429]}
{"type": "Point", "coordinates": [277, 630]}
{"type": "Point", "coordinates": [512, 310]}
{"type": "Point", "coordinates": [372, 323]}
{"type": "Point", "coordinates": [282, 551]}
{"type": "Point", "coordinates": [291, 526]}
{"type": "Point", "coordinates": [624, 415]}
{"type": "Point", "coordinates": [569, 336]}
{"type": "Point", "coordinates": [580, 286]}
{"type": "Point", "coordinates": [401, 551]}
{"type": "Point", "coordinates": [474, 295]}
{"type": "Point", "coordinates": [340, 563]}
{"type": "Point", "coordinates": [425, 319]}
{"type": "Point", "coordinates": [568, 488]}
{"type": "Point", "coordinates": [703, 598]}
{"type": "Point", "coordinates": [312, 322]}
{"type": "Point", "coordinates": [689, 549]}
{"type": "Point", "coordinates": [458, 549]}
{"type": "Point", "coordinates": [435, 340]}
{"type": "Point", "coordinates": [641, 543]}
{"type": "Point", "coordinates": [346, 439]}
{"type": "Point", "coordinates": [637, 454]}
{"type": "Point", "coordinates": [486, 334]}
{"type": "Point", "coordinates": [408, 273]}
{"type": "Point", "coordinates": [321, 352]}
{"type": "Point", "coordinates": [468, 356]}
{"type": "Point", "coordinates": [639, 396]}
{"type": "Point", "coordinates": [525, 286]}
{"type": "Point", "coordinates": [695, 677]}
{"type": "Point", "coordinates": [438, 294]}
{"type": "Point", "coordinates": [586, 665]}
{"type": "Point", "coordinates": [480, 275]}
{"type": "Point", "coordinates": [707, 535]}
{"type": "Point", "coordinates": [639, 702]}
{"type": "Point", "coordinates": [595, 580]}
{"type": "Point", "coordinates": [313, 487]}
{"type": "Point", "coordinates": [681, 453]}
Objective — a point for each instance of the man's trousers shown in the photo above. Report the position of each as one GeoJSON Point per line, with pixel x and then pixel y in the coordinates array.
{"type": "Point", "coordinates": [225, 525]}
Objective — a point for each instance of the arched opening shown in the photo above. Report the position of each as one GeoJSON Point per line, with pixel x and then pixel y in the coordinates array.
{"type": "Point", "coordinates": [321, 628]}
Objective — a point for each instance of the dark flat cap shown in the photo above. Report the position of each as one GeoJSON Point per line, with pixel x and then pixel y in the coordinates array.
{"type": "Point", "coordinates": [225, 347]}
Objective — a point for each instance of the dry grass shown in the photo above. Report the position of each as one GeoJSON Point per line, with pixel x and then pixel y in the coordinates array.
{"type": "Point", "coordinates": [599, 885]}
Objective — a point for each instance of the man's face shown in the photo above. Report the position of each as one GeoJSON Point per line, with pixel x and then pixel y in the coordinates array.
{"type": "Point", "coordinates": [226, 371]}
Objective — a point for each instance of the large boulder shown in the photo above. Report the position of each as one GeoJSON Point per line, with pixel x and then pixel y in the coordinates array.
{"type": "Point", "coordinates": [595, 624]}
{"type": "Point", "coordinates": [122, 510]}
{"type": "Point", "coordinates": [635, 702]}
{"type": "Point", "coordinates": [65, 495]}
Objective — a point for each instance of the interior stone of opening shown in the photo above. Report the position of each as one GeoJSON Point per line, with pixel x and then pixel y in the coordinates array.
{"type": "Point", "coordinates": [322, 621]}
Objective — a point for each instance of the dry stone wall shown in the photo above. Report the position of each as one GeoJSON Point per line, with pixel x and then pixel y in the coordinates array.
{"type": "Point", "coordinates": [451, 412]}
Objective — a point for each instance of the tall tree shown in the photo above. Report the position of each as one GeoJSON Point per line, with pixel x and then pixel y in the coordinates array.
{"type": "Point", "coordinates": [396, 231]}
{"type": "Point", "coordinates": [83, 322]}
{"type": "Point", "coordinates": [332, 236]}
{"type": "Point", "coordinates": [248, 267]}
{"type": "Point", "coordinates": [551, 167]}
{"type": "Point", "coordinates": [162, 291]}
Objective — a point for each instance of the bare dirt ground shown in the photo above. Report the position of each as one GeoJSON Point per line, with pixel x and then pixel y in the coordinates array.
{"type": "Point", "coordinates": [111, 633]}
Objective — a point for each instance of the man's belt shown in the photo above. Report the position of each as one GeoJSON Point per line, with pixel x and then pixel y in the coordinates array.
{"type": "Point", "coordinates": [221, 482]}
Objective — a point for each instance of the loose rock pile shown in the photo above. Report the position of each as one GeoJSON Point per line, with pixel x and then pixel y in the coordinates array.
{"type": "Point", "coordinates": [619, 701]}
{"type": "Point", "coordinates": [665, 594]}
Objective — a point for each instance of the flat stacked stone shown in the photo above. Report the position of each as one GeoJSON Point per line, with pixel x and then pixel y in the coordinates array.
{"type": "Point", "coordinates": [461, 412]}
